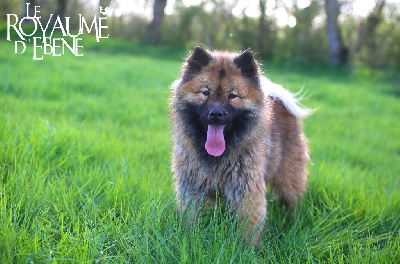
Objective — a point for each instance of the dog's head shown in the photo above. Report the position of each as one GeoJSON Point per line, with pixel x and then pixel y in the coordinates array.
{"type": "Point", "coordinates": [218, 97]}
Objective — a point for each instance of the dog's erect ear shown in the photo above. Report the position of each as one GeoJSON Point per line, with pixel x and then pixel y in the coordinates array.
{"type": "Point", "coordinates": [198, 59]}
{"type": "Point", "coordinates": [248, 65]}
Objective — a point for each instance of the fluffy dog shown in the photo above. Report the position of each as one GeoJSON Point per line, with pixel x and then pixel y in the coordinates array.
{"type": "Point", "coordinates": [234, 133]}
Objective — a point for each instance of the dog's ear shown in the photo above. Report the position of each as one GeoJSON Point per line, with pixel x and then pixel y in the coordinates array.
{"type": "Point", "coordinates": [198, 59]}
{"type": "Point", "coordinates": [248, 65]}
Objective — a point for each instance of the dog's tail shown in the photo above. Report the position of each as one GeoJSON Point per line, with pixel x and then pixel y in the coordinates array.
{"type": "Point", "coordinates": [289, 100]}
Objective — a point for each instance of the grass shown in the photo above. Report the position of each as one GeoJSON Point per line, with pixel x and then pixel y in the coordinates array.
{"type": "Point", "coordinates": [85, 167]}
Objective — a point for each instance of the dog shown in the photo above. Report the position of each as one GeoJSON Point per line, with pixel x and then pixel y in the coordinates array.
{"type": "Point", "coordinates": [234, 133]}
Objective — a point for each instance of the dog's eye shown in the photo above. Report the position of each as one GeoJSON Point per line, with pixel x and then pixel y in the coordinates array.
{"type": "Point", "coordinates": [232, 96]}
{"type": "Point", "coordinates": [205, 92]}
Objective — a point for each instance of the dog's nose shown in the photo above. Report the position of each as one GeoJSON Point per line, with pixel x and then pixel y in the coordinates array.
{"type": "Point", "coordinates": [216, 113]}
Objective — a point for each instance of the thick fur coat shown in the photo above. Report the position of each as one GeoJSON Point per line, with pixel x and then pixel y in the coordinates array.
{"type": "Point", "coordinates": [235, 133]}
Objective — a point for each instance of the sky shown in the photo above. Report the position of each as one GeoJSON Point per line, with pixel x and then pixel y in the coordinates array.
{"type": "Point", "coordinates": [359, 8]}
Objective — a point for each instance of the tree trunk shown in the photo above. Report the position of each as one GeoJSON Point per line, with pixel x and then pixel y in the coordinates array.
{"type": "Point", "coordinates": [261, 27]}
{"type": "Point", "coordinates": [158, 15]}
{"type": "Point", "coordinates": [61, 11]}
{"type": "Point", "coordinates": [367, 47]}
{"type": "Point", "coordinates": [28, 11]}
{"type": "Point", "coordinates": [61, 8]}
{"type": "Point", "coordinates": [337, 51]}
{"type": "Point", "coordinates": [373, 21]}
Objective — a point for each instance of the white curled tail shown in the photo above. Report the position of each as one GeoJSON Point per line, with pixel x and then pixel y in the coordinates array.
{"type": "Point", "coordinates": [291, 103]}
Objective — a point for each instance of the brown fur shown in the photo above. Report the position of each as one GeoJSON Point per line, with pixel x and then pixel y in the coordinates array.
{"type": "Point", "coordinates": [273, 152]}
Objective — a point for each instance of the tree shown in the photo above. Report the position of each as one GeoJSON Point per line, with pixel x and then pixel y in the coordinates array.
{"type": "Point", "coordinates": [158, 15]}
{"type": "Point", "coordinates": [7, 7]}
{"type": "Point", "coordinates": [337, 52]}
{"type": "Point", "coordinates": [28, 9]}
{"type": "Point", "coordinates": [265, 40]}
{"type": "Point", "coordinates": [369, 43]}
{"type": "Point", "coordinates": [261, 26]}
{"type": "Point", "coordinates": [302, 41]}
{"type": "Point", "coordinates": [60, 11]}
{"type": "Point", "coordinates": [367, 31]}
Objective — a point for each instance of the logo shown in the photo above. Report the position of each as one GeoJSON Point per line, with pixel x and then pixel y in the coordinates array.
{"type": "Point", "coordinates": [47, 45]}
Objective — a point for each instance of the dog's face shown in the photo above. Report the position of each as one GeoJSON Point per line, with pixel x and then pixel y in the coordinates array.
{"type": "Point", "coordinates": [219, 97]}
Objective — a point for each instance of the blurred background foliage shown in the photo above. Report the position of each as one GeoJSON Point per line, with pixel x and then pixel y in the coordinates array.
{"type": "Point", "coordinates": [317, 31]}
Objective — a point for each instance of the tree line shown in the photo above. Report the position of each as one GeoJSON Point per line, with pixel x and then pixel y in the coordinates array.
{"type": "Point", "coordinates": [325, 31]}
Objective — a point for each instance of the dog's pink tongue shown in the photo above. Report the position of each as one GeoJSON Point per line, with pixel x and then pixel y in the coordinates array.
{"type": "Point", "coordinates": [215, 144]}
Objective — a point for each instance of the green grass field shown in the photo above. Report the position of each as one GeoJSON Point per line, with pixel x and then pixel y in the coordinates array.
{"type": "Point", "coordinates": [85, 167]}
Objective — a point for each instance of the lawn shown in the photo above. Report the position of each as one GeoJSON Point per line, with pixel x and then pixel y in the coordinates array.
{"type": "Point", "coordinates": [85, 166]}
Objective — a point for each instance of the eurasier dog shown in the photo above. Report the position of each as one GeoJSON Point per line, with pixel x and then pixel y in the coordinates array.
{"type": "Point", "coordinates": [234, 133]}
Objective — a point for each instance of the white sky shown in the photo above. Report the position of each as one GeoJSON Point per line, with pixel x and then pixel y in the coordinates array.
{"type": "Point", "coordinates": [144, 7]}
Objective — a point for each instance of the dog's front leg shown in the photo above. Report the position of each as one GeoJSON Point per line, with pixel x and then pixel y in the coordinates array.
{"type": "Point", "coordinates": [189, 204]}
{"type": "Point", "coordinates": [251, 207]}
